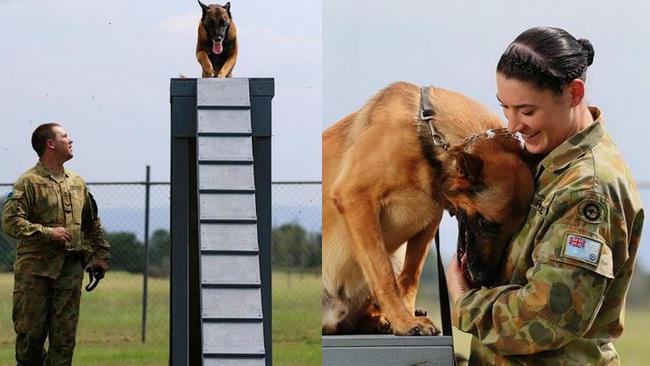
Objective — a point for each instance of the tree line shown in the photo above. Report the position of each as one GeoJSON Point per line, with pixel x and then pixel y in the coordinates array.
{"type": "Point", "coordinates": [293, 248]}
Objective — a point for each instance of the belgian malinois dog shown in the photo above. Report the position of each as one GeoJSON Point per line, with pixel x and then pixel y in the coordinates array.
{"type": "Point", "coordinates": [386, 184]}
{"type": "Point", "coordinates": [216, 45]}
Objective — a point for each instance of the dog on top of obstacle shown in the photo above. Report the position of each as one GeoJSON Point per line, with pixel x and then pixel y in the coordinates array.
{"type": "Point", "coordinates": [216, 44]}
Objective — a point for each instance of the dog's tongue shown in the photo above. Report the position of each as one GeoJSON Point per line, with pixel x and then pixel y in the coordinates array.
{"type": "Point", "coordinates": [217, 47]}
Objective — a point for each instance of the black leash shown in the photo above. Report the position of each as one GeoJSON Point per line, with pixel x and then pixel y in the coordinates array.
{"type": "Point", "coordinates": [426, 115]}
{"type": "Point", "coordinates": [94, 278]}
{"type": "Point", "coordinates": [445, 314]}
{"type": "Point", "coordinates": [443, 293]}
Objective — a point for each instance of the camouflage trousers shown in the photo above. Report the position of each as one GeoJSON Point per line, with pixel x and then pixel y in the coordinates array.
{"type": "Point", "coordinates": [44, 307]}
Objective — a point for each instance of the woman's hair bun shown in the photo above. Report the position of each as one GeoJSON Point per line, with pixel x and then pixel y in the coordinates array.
{"type": "Point", "coordinates": [589, 50]}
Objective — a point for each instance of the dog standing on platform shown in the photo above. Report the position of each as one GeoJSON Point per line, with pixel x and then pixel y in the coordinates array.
{"type": "Point", "coordinates": [216, 45]}
{"type": "Point", "coordinates": [386, 183]}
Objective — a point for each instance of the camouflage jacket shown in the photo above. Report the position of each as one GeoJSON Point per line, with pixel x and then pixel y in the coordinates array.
{"type": "Point", "coordinates": [37, 204]}
{"type": "Point", "coordinates": [567, 271]}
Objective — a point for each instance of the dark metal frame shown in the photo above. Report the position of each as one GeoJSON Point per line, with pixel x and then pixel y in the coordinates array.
{"type": "Point", "coordinates": [185, 338]}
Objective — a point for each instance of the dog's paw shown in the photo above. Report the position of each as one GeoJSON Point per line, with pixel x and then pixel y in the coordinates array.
{"type": "Point", "coordinates": [208, 73]}
{"type": "Point", "coordinates": [419, 327]}
{"type": "Point", "coordinates": [384, 327]}
{"type": "Point", "coordinates": [420, 312]}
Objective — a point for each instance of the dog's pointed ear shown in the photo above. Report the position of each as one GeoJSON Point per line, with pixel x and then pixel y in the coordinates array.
{"type": "Point", "coordinates": [204, 7]}
{"type": "Point", "coordinates": [227, 7]}
{"type": "Point", "coordinates": [469, 165]}
{"type": "Point", "coordinates": [469, 168]}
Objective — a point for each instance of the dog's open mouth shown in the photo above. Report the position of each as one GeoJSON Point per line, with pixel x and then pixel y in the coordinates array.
{"type": "Point", "coordinates": [217, 47]}
{"type": "Point", "coordinates": [461, 252]}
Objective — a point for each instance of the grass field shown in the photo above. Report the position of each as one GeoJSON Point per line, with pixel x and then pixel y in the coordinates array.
{"type": "Point", "coordinates": [296, 319]}
{"type": "Point", "coordinates": [109, 328]}
{"type": "Point", "coordinates": [110, 323]}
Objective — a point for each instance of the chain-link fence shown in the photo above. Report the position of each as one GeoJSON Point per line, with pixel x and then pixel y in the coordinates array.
{"type": "Point", "coordinates": [131, 308]}
{"type": "Point", "coordinates": [296, 262]}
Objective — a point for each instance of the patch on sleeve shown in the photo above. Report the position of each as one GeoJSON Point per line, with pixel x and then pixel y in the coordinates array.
{"type": "Point", "coordinates": [582, 248]}
{"type": "Point", "coordinates": [591, 211]}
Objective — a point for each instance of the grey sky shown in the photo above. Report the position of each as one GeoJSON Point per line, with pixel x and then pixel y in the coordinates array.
{"type": "Point", "coordinates": [456, 45]}
{"type": "Point", "coordinates": [102, 69]}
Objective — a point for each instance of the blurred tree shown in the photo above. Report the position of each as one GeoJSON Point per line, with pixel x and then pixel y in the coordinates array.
{"type": "Point", "coordinates": [294, 248]}
{"type": "Point", "coordinates": [159, 248]}
{"type": "Point", "coordinates": [127, 253]}
{"type": "Point", "coordinates": [313, 256]}
{"type": "Point", "coordinates": [288, 241]}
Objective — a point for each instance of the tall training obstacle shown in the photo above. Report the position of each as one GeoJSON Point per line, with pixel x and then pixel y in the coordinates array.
{"type": "Point", "coordinates": [221, 222]}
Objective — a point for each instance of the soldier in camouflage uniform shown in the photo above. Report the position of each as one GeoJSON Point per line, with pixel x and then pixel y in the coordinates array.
{"type": "Point", "coordinates": [562, 294]}
{"type": "Point", "coordinates": [47, 211]}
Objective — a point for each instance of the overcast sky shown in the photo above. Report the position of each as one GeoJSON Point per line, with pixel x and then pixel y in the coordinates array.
{"type": "Point", "coordinates": [102, 69]}
{"type": "Point", "coordinates": [456, 45]}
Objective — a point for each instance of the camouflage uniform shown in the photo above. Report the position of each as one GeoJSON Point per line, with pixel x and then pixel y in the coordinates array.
{"type": "Point", "coordinates": [568, 269]}
{"type": "Point", "coordinates": [48, 274]}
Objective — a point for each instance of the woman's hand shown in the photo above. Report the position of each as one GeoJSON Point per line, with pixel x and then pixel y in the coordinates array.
{"type": "Point", "coordinates": [456, 282]}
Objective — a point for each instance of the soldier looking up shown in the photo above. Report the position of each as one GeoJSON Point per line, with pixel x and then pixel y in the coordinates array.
{"type": "Point", "coordinates": [47, 211]}
{"type": "Point", "coordinates": [562, 290]}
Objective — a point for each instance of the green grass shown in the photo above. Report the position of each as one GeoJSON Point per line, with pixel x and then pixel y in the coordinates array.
{"type": "Point", "coordinates": [296, 319]}
{"type": "Point", "coordinates": [109, 326]}
{"type": "Point", "coordinates": [633, 347]}
{"type": "Point", "coordinates": [110, 322]}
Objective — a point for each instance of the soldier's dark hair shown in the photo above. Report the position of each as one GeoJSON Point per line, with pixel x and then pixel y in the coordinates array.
{"type": "Point", "coordinates": [40, 136]}
{"type": "Point", "coordinates": [548, 58]}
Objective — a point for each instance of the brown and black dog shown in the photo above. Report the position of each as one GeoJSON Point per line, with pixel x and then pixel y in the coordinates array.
{"type": "Point", "coordinates": [216, 45]}
{"type": "Point", "coordinates": [385, 183]}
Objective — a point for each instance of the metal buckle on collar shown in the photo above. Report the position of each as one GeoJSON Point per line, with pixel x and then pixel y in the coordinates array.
{"type": "Point", "coordinates": [426, 114]}
{"type": "Point", "coordinates": [440, 141]}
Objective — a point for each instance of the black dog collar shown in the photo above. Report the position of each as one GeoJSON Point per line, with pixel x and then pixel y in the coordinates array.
{"type": "Point", "coordinates": [426, 115]}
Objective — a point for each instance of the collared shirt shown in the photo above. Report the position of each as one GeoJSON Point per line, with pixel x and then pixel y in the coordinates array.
{"type": "Point", "coordinates": [40, 202]}
{"type": "Point", "coordinates": [567, 271]}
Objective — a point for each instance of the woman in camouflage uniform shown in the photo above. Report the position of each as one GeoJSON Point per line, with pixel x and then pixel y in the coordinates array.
{"type": "Point", "coordinates": [563, 286]}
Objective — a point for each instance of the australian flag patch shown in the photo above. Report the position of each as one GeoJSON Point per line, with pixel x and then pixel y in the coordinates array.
{"type": "Point", "coordinates": [582, 248]}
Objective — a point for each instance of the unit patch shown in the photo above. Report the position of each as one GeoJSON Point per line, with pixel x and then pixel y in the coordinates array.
{"type": "Point", "coordinates": [591, 211]}
{"type": "Point", "coordinates": [582, 248]}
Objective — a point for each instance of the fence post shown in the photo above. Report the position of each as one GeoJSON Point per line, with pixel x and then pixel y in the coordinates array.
{"type": "Point", "coordinates": [146, 254]}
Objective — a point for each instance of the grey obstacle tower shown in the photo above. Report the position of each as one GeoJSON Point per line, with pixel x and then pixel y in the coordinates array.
{"type": "Point", "coordinates": [221, 222]}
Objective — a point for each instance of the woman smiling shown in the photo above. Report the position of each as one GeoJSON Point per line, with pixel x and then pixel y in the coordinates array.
{"type": "Point", "coordinates": [565, 276]}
